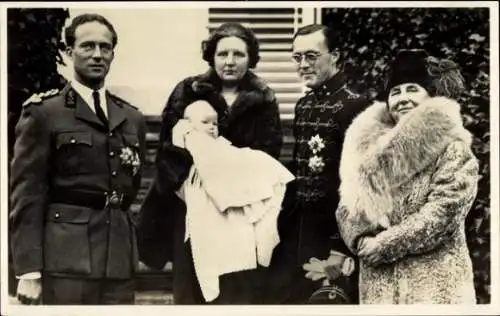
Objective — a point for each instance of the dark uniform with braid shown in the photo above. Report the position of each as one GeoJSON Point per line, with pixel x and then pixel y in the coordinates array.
{"type": "Point", "coordinates": [73, 180]}
{"type": "Point", "coordinates": [307, 226]}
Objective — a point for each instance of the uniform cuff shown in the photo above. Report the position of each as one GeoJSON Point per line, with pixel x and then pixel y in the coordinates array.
{"type": "Point", "coordinates": [30, 276]}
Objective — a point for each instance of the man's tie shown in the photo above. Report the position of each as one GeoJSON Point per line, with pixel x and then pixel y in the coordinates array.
{"type": "Point", "coordinates": [98, 108]}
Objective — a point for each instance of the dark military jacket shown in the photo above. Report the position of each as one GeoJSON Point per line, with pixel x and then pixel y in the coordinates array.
{"type": "Point", "coordinates": [321, 116]}
{"type": "Point", "coordinates": [73, 179]}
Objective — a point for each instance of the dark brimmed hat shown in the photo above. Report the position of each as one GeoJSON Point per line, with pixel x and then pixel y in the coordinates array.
{"type": "Point", "coordinates": [410, 65]}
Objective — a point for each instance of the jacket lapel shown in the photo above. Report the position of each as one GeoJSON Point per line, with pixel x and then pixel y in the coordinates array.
{"type": "Point", "coordinates": [116, 113]}
{"type": "Point", "coordinates": [84, 112]}
{"type": "Point", "coordinates": [251, 95]}
{"type": "Point", "coordinates": [244, 101]}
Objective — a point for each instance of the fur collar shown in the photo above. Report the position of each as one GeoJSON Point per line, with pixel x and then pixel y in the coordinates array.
{"type": "Point", "coordinates": [380, 156]}
{"type": "Point", "coordinates": [254, 93]}
{"type": "Point", "coordinates": [251, 84]}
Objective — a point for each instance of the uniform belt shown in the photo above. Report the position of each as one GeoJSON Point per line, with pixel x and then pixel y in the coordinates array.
{"type": "Point", "coordinates": [95, 200]}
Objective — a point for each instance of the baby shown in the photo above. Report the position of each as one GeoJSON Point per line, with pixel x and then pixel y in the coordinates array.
{"type": "Point", "coordinates": [233, 198]}
{"type": "Point", "coordinates": [199, 117]}
{"type": "Point", "coordinates": [202, 118]}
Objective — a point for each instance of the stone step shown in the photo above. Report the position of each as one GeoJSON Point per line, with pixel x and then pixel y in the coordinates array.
{"type": "Point", "coordinates": [141, 298]}
{"type": "Point", "coordinates": [153, 298]}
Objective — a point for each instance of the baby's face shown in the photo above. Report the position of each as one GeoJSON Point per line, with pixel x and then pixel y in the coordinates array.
{"type": "Point", "coordinates": [207, 124]}
{"type": "Point", "coordinates": [203, 118]}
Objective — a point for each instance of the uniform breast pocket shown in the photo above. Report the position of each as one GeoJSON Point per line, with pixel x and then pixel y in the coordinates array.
{"type": "Point", "coordinates": [72, 150]}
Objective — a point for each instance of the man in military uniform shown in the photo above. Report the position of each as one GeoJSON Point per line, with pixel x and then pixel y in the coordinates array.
{"type": "Point", "coordinates": [75, 172]}
{"type": "Point", "coordinates": [308, 226]}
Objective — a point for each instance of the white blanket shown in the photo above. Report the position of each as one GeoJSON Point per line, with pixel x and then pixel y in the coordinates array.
{"type": "Point", "coordinates": [233, 198]}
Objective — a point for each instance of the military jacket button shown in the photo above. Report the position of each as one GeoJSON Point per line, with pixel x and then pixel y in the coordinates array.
{"type": "Point", "coordinates": [114, 201]}
{"type": "Point", "coordinates": [111, 153]}
{"type": "Point", "coordinates": [73, 140]}
{"type": "Point", "coordinates": [113, 173]}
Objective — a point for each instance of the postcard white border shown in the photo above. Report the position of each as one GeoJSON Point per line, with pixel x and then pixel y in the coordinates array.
{"type": "Point", "coordinates": [492, 308]}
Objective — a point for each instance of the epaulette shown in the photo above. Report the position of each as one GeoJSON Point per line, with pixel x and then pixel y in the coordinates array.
{"type": "Point", "coordinates": [120, 101]}
{"type": "Point", "coordinates": [37, 98]}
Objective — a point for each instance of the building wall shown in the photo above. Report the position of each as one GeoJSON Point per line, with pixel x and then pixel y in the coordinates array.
{"type": "Point", "coordinates": [156, 49]}
{"type": "Point", "coordinates": [159, 47]}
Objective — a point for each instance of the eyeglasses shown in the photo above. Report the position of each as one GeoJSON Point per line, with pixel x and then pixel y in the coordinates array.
{"type": "Point", "coordinates": [310, 57]}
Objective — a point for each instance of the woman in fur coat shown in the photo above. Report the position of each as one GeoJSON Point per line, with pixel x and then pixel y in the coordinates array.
{"type": "Point", "coordinates": [409, 179]}
{"type": "Point", "coordinates": [248, 116]}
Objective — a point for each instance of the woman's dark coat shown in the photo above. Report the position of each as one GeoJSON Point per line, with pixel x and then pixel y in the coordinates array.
{"type": "Point", "coordinates": [252, 121]}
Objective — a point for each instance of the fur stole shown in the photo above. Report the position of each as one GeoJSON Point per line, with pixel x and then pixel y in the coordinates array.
{"type": "Point", "coordinates": [379, 156]}
{"type": "Point", "coordinates": [253, 87]}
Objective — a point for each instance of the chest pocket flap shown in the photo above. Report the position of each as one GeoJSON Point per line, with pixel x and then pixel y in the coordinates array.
{"type": "Point", "coordinates": [131, 140]}
{"type": "Point", "coordinates": [73, 138]}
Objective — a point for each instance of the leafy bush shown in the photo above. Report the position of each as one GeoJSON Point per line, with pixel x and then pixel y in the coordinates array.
{"type": "Point", "coordinates": [33, 39]}
{"type": "Point", "coordinates": [460, 34]}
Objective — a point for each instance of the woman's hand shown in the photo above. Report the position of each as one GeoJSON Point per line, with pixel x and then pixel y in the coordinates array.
{"type": "Point", "coordinates": [369, 251]}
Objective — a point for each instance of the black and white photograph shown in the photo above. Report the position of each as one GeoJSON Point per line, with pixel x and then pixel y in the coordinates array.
{"type": "Point", "coordinates": [296, 158]}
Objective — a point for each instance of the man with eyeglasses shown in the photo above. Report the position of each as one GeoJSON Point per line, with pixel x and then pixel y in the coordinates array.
{"type": "Point", "coordinates": [311, 246]}
{"type": "Point", "coordinates": [75, 172]}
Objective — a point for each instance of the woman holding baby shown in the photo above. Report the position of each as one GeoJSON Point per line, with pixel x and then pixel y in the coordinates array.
{"type": "Point", "coordinates": [246, 115]}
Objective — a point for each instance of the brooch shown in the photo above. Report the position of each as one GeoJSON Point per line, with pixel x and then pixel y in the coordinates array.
{"type": "Point", "coordinates": [316, 144]}
{"type": "Point", "coordinates": [130, 158]}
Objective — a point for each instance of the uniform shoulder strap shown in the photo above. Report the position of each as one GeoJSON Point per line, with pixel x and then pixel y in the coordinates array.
{"type": "Point", "coordinates": [38, 98]}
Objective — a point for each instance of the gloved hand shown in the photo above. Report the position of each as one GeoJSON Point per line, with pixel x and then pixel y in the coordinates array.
{"type": "Point", "coordinates": [315, 268]}
{"type": "Point", "coordinates": [336, 265]}
{"type": "Point", "coordinates": [346, 264]}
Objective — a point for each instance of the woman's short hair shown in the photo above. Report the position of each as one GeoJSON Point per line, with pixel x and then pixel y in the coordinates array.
{"type": "Point", "coordinates": [228, 30]}
{"type": "Point", "coordinates": [69, 32]}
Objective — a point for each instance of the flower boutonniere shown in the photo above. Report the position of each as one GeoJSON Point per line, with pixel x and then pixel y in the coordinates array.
{"type": "Point", "coordinates": [130, 158]}
{"type": "Point", "coordinates": [316, 144]}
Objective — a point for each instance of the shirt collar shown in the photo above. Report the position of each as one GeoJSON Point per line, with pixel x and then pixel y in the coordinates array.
{"type": "Point", "coordinates": [86, 93]}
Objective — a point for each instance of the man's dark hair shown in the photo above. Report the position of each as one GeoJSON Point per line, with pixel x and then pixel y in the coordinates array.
{"type": "Point", "coordinates": [328, 33]}
{"type": "Point", "coordinates": [330, 37]}
{"type": "Point", "coordinates": [69, 32]}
